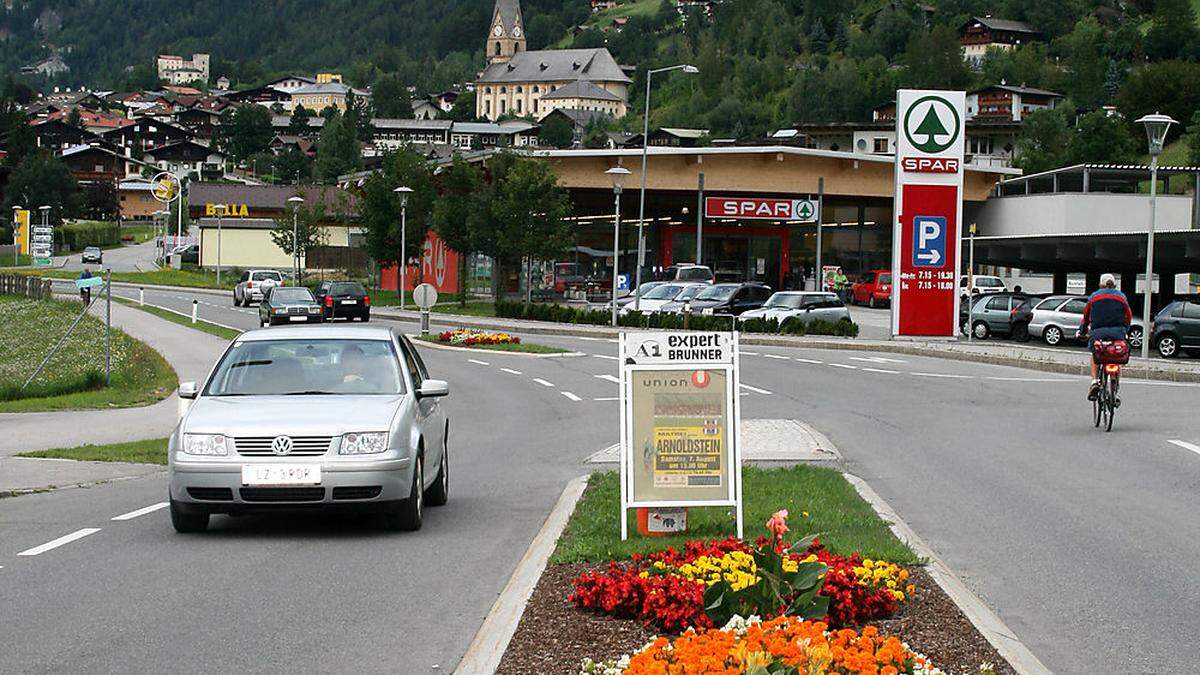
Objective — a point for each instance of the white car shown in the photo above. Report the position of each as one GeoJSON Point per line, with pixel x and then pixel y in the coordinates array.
{"type": "Point", "coordinates": [804, 306]}
{"type": "Point", "coordinates": [657, 297]}
{"type": "Point", "coordinates": [253, 284]}
{"type": "Point", "coordinates": [983, 283]}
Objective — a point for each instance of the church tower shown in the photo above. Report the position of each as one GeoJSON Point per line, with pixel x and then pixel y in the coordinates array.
{"type": "Point", "coordinates": [506, 33]}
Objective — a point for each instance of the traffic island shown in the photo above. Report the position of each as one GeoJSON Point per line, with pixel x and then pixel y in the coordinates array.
{"type": "Point", "coordinates": [813, 546]}
{"type": "Point", "coordinates": [484, 341]}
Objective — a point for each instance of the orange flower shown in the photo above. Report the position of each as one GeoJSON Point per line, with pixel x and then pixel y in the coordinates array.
{"type": "Point", "coordinates": [777, 523]}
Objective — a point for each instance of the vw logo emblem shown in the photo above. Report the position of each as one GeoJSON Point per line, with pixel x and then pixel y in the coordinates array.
{"type": "Point", "coordinates": [281, 445]}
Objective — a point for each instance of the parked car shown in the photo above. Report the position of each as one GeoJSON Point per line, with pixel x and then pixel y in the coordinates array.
{"type": "Point", "coordinates": [803, 306]}
{"type": "Point", "coordinates": [346, 299]}
{"type": "Point", "coordinates": [731, 298]}
{"type": "Point", "coordinates": [190, 254]}
{"type": "Point", "coordinates": [253, 283]}
{"type": "Point", "coordinates": [689, 272]}
{"type": "Point", "coordinates": [657, 297]}
{"type": "Point", "coordinates": [92, 254]}
{"type": "Point", "coordinates": [983, 283]}
{"type": "Point", "coordinates": [992, 314]}
{"type": "Point", "coordinates": [1057, 318]}
{"type": "Point", "coordinates": [873, 289]}
{"type": "Point", "coordinates": [684, 299]}
{"type": "Point", "coordinates": [645, 288]}
{"type": "Point", "coordinates": [1022, 315]}
{"type": "Point", "coordinates": [1177, 328]}
{"type": "Point", "coordinates": [289, 304]}
{"type": "Point", "coordinates": [344, 417]}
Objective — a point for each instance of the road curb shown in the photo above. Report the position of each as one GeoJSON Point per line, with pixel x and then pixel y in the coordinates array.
{"type": "Point", "coordinates": [134, 304]}
{"type": "Point", "coordinates": [991, 626]}
{"type": "Point", "coordinates": [491, 641]}
{"type": "Point", "coordinates": [157, 287]}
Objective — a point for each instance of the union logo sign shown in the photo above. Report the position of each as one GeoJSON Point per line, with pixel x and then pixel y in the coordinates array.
{"type": "Point", "coordinates": [932, 124]}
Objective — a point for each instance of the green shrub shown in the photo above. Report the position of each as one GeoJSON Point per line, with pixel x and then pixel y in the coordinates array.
{"type": "Point", "coordinates": [78, 236]}
{"type": "Point", "coordinates": [664, 321]}
{"type": "Point", "coordinates": [90, 381]}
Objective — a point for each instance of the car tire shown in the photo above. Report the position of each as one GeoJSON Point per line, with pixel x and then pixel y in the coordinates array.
{"type": "Point", "coordinates": [1136, 335]}
{"type": "Point", "coordinates": [186, 521]}
{"type": "Point", "coordinates": [1020, 332]}
{"type": "Point", "coordinates": [366, 318]}
{"type": "Point", "coordinates": [1052, 335]}
{"type": "Point", "coordinates": [407, 514]}
{"type": "Point", "coordinates": [871, 302]}
{"type": "Point", "coordinates": [439, 494]}
{"type": "Point", "coordinates": [981, 331]}
{"type": "Point", "coordinates": [1167, 346]}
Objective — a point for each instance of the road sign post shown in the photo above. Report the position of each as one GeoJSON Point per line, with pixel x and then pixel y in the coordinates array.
{"type": "Point", "coordinates": [425, 296]}
{"type": "Point", "coordinates": [926, 250]}
{"type": "Point", "coordinates": [679, 422]}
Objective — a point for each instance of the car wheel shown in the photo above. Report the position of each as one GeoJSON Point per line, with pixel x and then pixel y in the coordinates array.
{"type": "Point", "coordinates": [406, 515]}
{"type": "Point", "coordinates": [1020, 332]}
{"type": "Point", "coordinates": [980, 330]}
{"type": "Point", "coordinates": [1135, 337]}
{"type": "Point", "coordinates": [1053, 335]}
{"type": "Point", "coordinates": [439, 494]}
{"type": "Point", "coordinates": [185, 520]}
{"type": "Point", "coordinates": [366, 317]}
{"type": "Point", "coordinates": [871, 302]}
{"type": "Point", "coordinates": [1168, 346]}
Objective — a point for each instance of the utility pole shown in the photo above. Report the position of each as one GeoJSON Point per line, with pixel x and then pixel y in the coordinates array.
{"type": "Point", "coordinates": [817, 274]}
{"type": "Point", "coordinates": [700, 218]}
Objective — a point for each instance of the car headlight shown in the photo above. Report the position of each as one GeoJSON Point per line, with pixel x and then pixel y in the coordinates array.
{"type": "Point", "coordinates": [707, 311]}
{"type": "Point", "coordinates": [279, 310]}
{"type": "Point", "coordinates": [314, 309]}
{"type": "Point", "coordinates": [369, 443]}
{"type": "Point", "coordinates": [205, 444]}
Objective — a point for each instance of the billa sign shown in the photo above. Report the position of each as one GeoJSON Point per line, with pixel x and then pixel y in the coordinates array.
{"type": "Point", "coordinates": [929, 177]}
{"type": "Point", "coordinates": [679, 421]}
{"type": "Point", "coordinates": [231, 210]}
{"type": "Point", "coordinates": [758, 208]}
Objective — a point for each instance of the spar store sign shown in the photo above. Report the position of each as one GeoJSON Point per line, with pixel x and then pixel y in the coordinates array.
{"type": "Point", "coordinates": [928, 206]}
{"type": "Point", "coordinates": [758, 208]}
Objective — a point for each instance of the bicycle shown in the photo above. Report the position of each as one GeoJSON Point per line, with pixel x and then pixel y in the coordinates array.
{"type": "Point", "coordinates": [1104, 407]}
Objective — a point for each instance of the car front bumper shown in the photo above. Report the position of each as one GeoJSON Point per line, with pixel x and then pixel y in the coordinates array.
{"type": "Point", "coordinates": [216, 486]}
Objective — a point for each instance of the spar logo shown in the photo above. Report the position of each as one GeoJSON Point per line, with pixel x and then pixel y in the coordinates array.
{"type": "Point", "coordinates": [931, 124]}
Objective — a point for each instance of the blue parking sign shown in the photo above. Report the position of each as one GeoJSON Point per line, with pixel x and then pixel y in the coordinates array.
{"type": "Point", "coordinates": [929, 241]}
{"type": "Point", "coordinates": [623, 282]}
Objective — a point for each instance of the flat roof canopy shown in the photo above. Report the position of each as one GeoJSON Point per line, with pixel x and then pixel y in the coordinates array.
{"type": "Point", "coordinates": [1175, 252]}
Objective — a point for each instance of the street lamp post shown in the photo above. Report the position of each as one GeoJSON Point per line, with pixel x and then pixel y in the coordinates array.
{"type": "Point", "coordinates": [618, 174]}
{"type": "Point", "coordinates": [295, 202]}
{"type": "Point", "coordinates": [220, 208]}
{"type": "Point", "coordinates": [1156, 134]}
{"type": "Point", "coordinates": [404, 192]}
{"type": "Point", "coordinates": [16, 240]}
{"type": "Point", "coordinates": [641, 248]}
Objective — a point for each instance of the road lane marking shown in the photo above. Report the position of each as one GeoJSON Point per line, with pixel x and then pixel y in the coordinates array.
{"type": "Point", "coordinates": [543, 382]}
{"type": "Point", "coordinates": [611, 378]}
{"type": "Point", "coordinates": [510, 371]}
{"type": "Point", "coordinates": [591, 339]}
{"type": "Point", "coordinates": [847, 366]}
{"type": "Point", "coordinates": [607, 398]}
{"type": "Point", "coordinates": [141, 512]}
{"type": "Point", "coordinates": [745, 353]}
{"type": "Point", "coordinates": [876, 359]}
{"type": "Point", "coordinates": [755, 389]}
{"type": "Point", "coordinates": [571, 396]}
{"type": "Point", "coordinates": [606, 356]}
{"type": "Point", "coordinates": [881, 370]}
{"type": "Point", "coordinates": [809, 361]}
{"type": "Point", "coordinates": [1029, 379]}
{"type": "Point", "coordinates": [66, 539]}
{"type": "Point", "coordinates": [482, 363]}
{"type": "Point", "coordinates": [775, 356]}
{"type": "Point", "coordinates": [946, 375]}
{"type": "Point", "coordinates": [1186, 446]}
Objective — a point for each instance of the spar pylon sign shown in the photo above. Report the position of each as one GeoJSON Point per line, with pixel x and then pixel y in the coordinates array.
{"type": "Point", "coordinates": [928, 208]}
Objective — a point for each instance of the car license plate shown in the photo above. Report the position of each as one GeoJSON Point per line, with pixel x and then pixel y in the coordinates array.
{"type": "Point", "coordinates": [349, 302]}
{"type": "Point", "coordinates": [298, 318]}
{"type": "Point", "coordinates": [281, 474]}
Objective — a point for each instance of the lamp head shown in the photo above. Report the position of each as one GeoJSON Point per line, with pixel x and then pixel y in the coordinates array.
{"type": "Point", "coordinates": [690, 69]}
{"type": "Point", "coordinates": [618, 174]}
{"type": "Point", "coordinates": [1157, 126]}
{"type": "Point", "coordinates": [295, 201]}
{"type": "Point", "coordinates": [220, 209]}
{"type": "Point", "coordinates": [44, 207]}
{"type": "Point", "coordinates": [403, 192]}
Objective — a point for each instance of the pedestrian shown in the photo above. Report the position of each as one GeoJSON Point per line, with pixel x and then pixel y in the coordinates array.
{"type": "Point", "coordinates": [802, 274]}
{"type": "Point", "coordinates": [1017, 288]}
{"type": "Point", "coordinates": [839, 283]}
{"type": "Point", "coordinates": [85, 293]}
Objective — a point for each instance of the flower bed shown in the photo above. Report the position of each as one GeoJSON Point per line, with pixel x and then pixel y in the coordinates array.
{"type": "Point", "coordinates": [470, 338]}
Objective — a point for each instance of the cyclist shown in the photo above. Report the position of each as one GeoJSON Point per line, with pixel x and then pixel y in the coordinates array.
{"type": "Point", "coordinates": [1106, 317]}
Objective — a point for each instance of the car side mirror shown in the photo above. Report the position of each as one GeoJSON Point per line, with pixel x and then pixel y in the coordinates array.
{"type": "Point", "coordinates": [433, 388]}
{"type": "Point", "coordinates": [187, 390]}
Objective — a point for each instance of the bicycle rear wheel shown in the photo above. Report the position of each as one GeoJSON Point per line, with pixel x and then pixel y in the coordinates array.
{"type": "Point", "coordinates": [1110, 402]}
{"type": "Point", "coordinates": [1098, 402]}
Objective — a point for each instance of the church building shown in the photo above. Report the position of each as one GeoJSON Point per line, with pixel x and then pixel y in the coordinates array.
{"type": "Point", "coordinates": [535, 83]}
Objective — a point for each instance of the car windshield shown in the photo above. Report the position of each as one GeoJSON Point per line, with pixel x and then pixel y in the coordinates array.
{"type": "Point", "coordinates": [688, 293]}
{"type": "Point", "coordinates": [788, 300]}
{"type": "Point", "coordinates": [664, 292]}
{"type": "Point", "coordinates": [291, 294]}
{"type": "Point", "coordinates": [346, 288]}
{"type": "Point", "coordinates": [718, 292]}
{"type": "Point", "coordinates": [646, 287]}
{"type": "Point", "coordinates": [694, 274]}
{"type": "Point", "coordinates": [988, 282]}
{"type": "Point", "coordinates": [91, 249]}
{"type": "Point", "coordinates": [307, 367]}
{"type": "Point", "coordinates": [264, 276]}
{"type": "Point", "coordinates": [885, 279]}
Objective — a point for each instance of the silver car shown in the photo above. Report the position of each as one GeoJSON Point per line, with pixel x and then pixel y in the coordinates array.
{"type": "Point", "coordinates": [252, 284]}
{"type": "Point", "coordinates": [802, 306]}
{"type": "Point", "coordinates": [1057, 318]}
{"type": "Point", "coordinates": [342, 417]}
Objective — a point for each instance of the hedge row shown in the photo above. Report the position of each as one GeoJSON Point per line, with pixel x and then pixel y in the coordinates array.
{"type": "Point", "coordinates": [565, 314]}
{"type": "Point", "coordinates": [78, 236]}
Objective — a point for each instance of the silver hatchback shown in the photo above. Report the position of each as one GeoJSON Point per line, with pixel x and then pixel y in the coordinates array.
{"type": "Point", "coordinates": [343, 417]}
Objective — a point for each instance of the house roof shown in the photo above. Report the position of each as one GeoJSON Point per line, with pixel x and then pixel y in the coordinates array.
{"type": "Point", "coordinates": [397, 123]}
{"type": "Point", "coordinates": [556, 65]}
{"type": "Point", "coordinates": [284, 121]}
{"type": "Point", "coordinates": [513, 127]}
{"type": "Point", "coordinates": [580, 118]}
{"type": "Point", "coordinates": [168, 148]}
{"type": "Point", "coordinates": [1004, 25]}
{"type": "Point", "coordinates": [681, 133]}
{"type": "Point", "coordinates": [328, 88]}
{"type": "Point", "coordinates": [582, 89]}
{"type": "Point", "coordinates": [263, 196]}
{"type": "Point", "coordinates": [509, 10]}
{"type": "Point", "coordinates": [1018, 90]}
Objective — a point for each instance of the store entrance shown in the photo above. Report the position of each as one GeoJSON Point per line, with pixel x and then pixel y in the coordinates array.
{"type": "Point", "coordinates": [734, 253]}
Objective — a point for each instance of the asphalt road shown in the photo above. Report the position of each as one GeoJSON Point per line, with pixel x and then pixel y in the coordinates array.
{"type": "Point", "coordinates": [132, 258]}
{"type": "Point", "coordinates": [1083, 542]}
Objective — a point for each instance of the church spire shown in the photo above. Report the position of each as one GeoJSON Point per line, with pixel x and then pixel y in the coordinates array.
{"type": "Point", "coordinates": [506, 33]}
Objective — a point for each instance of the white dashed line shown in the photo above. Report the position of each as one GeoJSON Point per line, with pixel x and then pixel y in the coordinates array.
{"type": "Point", "coordinates": [607, 398]}
{"type": "Point", "coordinates": [844, 365]}
{"type": "Point", "coordinates": [590, 339]}
{"type": "Point", "coordinates": [477, 361]}
{"type": "Point", "coordinates": [66, 539]}
{"type": "Point", "coordinates": [141, 512]}
{"type": "Point", "coordinates": [1029, 379]}
{"type": "Point", "coordinates": [1186, 446]}
{"type": "Point", "coordinates": [881, 370]}
{"type": "Point", "coordinates": [510, 371]}
{"type": "Point", "coordinates": [543, 382]}
{"type": "Point", "coordinates": [945, 375]}
{"type": "Point", "coordinates": [775, 356]}
{"type": "Point", "coordinates": [809, 361]}
{"type": "Point", "coordinates": [748, 353]}
{"type": "Point", "coordinates": [611, 378]}
{"type": "Point", "coordinates": [756, 390]}
{"type": "Point", "coordinates": [571, 396]}
{"type": "Point", "coordinates": [606, 356]}
{"type": "Point", "coordinates": [875, 359]}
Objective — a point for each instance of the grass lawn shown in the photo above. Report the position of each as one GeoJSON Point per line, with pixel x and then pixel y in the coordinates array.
{"type": "Point", "coordinates": [73, 379]}
{"type": "Point", "coordinates": [22, 259]}
{"type": "Point", "coordinates": [523, 347]}
{"type": "Point", "coordinates": [189, 277]}
{"type": "Point", "coordinates": [836, 513]}
{"type": "Point", "coordinates": [153, 451]}
{"type": "Point", "coordinates": [140, 233]}
{"type": "Point", "coordinates": [174, 317]}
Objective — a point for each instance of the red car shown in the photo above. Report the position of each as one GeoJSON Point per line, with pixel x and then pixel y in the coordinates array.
{"type": "Point", "coordinates": [874, 289]}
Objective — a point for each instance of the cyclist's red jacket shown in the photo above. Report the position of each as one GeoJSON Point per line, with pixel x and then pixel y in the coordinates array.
{"type": "Point", "coordinates": [1106, 308]}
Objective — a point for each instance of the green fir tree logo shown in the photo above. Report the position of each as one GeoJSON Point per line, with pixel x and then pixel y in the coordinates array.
{"type": "Point", "coordinates": [929, 134]}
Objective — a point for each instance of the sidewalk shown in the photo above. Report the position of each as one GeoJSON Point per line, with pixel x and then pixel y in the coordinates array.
{"type": "Point", "coordinates": [190, 352]}
{"type": "Point", "coordinates": [992, 351]}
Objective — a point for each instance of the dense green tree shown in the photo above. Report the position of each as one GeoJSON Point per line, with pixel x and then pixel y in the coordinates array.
{"type": "Point", "coordinates": [461, 212]}
{"type": "Point", "coordinates": [933, 60]}
{"type": "Point", "coordinates": [1112, 81]}
{"type": "Point", "coordinates": [292, 166]}
{"type": "Point", "coordinates": [337, 149]}
{"type": "Point", "coordinates": [392, 98]}
{"type": "Point", "coordinates": [98, 201]}
{"type": "Point", "coordinates": [818, 39]}
{"type": "Point", "coordinates": [298, 123]}
{"type": "Point", "coordinates": [841, 37]}
{"type": "Point", "coordinates": [75, 118]}
{"type": "Point", "coordinates": [16, 136]}
{"type": "Point", "coordinates": [1167, 87]}
{"type": "Point", "coordinates": [43, 179]}
{"type": "Point", "coordinates": [1173, 33]}
{"type": "Point", "coordinates": [464, 107]}
{"type": "Point", "coordinates": [891, 30]}
{"type": "Point", "coordinates": [305, 232]}
{"type": "Point", "coordinates": [557, 132]}
{"type": "Point", "coordinates": [379, 206]}
{"type": "Point", "coordinates": [1044, 142]}
{"type": "Point", "coordinates": [1085, 63]}
{"type": "Point", "coordinates": [1103, 139]}
{"type": "Point", "coordinates": [243, 131]}
{"type": "Point", "coordinates": [529, 211]}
